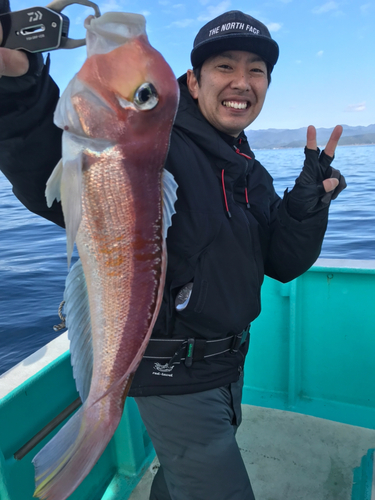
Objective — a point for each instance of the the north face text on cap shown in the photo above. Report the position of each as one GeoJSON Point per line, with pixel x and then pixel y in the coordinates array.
{"type": "Point", "coordinates": [234, 26]}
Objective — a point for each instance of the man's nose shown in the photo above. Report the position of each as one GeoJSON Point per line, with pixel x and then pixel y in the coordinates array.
{"type": "Point", "coordinates": [241, 81]}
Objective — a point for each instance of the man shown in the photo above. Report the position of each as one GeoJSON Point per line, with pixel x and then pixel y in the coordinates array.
{"type": "Point", "coordinates": [230, 228]}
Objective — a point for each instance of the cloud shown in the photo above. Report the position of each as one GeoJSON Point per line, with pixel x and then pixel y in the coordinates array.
{"type": "Point", "coordinates": [215, 10]}
{"type": "Point", "coordinates": [273, 27]}
{"type": "Point", "coordinates": [365, 8]}
{"type": "Point", "coordinates": [184, 23]}
{"type": "Point", "coordinates": [256, 14]}
{"type": "Point", "coordinates": [355, 108]}
{"type": "Point", "coordinates": [145, 13]}
{"type": "Point", "coordinates": [178, 5]}
{"type": "Point", "coordinates": [327, 7]}
{"type": "Point", "coordinates": [80, 19]}
{"type": "Point", "coordinates": [320, 53]}
{"type": "Point", "coordinates": [211, 12]}
{"type": "Point", "coordinates": [110, 6]}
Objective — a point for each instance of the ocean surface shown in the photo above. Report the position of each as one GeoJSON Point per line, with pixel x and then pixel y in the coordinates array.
{"type": "Point", "coordinates": [33, 264]}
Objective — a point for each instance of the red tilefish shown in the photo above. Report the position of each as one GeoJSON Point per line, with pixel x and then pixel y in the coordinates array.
{"type": "Point", "coordinates": [118, 201]}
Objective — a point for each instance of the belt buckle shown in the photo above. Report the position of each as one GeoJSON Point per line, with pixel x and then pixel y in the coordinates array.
{"type": "Point", "coordinates": [237, 341]}
{"type": "Point", "coordinates": [189, 352]}
{"type": "Point", "coordinates": [176, 358]}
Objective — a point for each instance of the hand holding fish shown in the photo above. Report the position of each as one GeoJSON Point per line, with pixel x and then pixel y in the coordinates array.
{"type": "Point", "coordinates": [12, 62]}
{"type": "Point", "coordinates": [318, 183]}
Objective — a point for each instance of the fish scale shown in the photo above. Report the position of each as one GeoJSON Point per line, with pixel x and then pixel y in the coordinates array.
{"type": "Point", "coordinates": [111, 262]}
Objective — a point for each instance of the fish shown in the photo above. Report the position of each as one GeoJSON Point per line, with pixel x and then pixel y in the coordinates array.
{"type": "Point", "coordinates": [118, 201]}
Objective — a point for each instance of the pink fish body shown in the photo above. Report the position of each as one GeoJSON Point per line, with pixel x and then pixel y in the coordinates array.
{"type": "Point", "coordinates": [117, 115]}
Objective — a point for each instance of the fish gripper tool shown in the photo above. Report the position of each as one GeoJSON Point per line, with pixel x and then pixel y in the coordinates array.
{"type": "Point", "coordinates": [40, 29]}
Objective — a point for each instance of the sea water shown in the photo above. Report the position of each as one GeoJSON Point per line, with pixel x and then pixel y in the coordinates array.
{"type": "Point", "coordinates": [33, 264]}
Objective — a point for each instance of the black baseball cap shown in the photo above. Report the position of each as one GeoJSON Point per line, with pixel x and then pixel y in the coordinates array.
{"type": "Point", "coordinates": [234, 30]}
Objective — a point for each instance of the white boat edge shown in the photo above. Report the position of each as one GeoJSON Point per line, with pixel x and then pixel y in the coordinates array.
{"type": "Point", "coordinates": [34, 363]}
{"type": "Point", "coordinates": [344, 264]}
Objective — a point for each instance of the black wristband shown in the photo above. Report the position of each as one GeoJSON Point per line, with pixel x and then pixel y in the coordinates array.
{"type": "Point", "coordinates": [4, 6]}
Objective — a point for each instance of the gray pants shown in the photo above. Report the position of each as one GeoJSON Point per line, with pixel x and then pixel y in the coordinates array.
{"type": "Point", "coordinates": [194, 439]}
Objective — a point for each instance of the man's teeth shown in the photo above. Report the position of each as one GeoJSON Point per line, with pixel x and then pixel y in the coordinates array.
{"type": "Point", "coordinates": [236, 105]}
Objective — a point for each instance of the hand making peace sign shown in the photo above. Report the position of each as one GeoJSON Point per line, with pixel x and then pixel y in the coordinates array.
{"type": "Point", "coordinates": [318, 183]}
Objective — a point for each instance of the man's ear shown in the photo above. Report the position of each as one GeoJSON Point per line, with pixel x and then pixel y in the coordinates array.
{"type": "Point", "coordinates": [192, 83]}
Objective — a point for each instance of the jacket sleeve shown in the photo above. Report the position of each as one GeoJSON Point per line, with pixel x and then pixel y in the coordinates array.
{"type": "Point", "coordinates": [30, 144]}
{"type": "Point", "coordinates": [294, 245]}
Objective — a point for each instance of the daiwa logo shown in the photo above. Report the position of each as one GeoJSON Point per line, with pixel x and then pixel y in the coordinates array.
{"type": "Point", "coordinates": [163, 370]}
{"type": "Point", "coordinates": [34, 16]}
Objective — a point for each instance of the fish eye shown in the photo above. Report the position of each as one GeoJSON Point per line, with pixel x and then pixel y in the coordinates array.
{"type": "Point", "coordinates": [146, 97]}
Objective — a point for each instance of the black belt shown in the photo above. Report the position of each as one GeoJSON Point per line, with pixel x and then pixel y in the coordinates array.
{"type": "Point", "coordinates": [192, 349]}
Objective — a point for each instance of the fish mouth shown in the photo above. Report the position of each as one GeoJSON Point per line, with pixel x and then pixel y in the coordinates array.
{"type": "Point", "coordinates": [234, 104]}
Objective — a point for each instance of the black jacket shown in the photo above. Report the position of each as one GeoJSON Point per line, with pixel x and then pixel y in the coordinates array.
{"type": "Point", "coordinates": [230, 228]}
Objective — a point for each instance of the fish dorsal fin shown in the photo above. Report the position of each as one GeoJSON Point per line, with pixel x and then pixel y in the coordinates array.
{"type": "Point", "coordinates": [78, 321]}
{"type": "Point", "coordinates": [169, 199]}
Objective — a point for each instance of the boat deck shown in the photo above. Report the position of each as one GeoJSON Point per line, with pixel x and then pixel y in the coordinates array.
{"type": "Point", "coordinates": [293, 456]}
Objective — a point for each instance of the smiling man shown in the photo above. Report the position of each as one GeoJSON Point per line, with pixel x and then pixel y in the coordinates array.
{"type": "Point", "coordinates": [229, 230]}
{"type": "Point", "coordinates": [236, 54]}
{"type": "Point", "coordinates": [231, 90]}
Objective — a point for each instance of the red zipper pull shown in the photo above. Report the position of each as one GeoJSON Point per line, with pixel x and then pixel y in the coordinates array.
{"type": "Point", "coordinates": [247, 198]}
{"type": "Point", "coordinates": [242, 154]}
{"type": "Point", "coordinates": [225, 194]}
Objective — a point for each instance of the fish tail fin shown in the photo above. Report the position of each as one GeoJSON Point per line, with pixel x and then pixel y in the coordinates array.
{"type": "Point", "coordinates": [71, 454]}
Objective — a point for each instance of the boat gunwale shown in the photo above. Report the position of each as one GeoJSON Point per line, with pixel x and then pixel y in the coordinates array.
{"type": "Point", "coordinates": [21, 373]}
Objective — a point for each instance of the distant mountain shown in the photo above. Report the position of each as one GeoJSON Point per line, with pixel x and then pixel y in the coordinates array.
{"type": "Point", "coordinates": [286, 138]}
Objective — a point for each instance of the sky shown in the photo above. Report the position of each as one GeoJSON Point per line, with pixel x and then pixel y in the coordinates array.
{"type": "Point", "coordinates": [326, 70]}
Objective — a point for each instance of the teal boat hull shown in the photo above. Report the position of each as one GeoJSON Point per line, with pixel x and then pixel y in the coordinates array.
{"type": "Point", "coordinates": [312, 351]}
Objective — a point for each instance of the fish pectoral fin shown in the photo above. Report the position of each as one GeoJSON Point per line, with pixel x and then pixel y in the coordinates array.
{"type": "Point", "coordinates": [53, 185]}
{"type": "Point", "coordinates": [71, 199]}
{"type": "Point", "coordinates": [78, 321]}
{"type": "Point", "coordinates": [169, 199]}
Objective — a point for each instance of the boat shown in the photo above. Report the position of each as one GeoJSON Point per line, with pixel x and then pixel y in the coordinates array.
{"type": "Point", "coordinates": [308, 428]}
